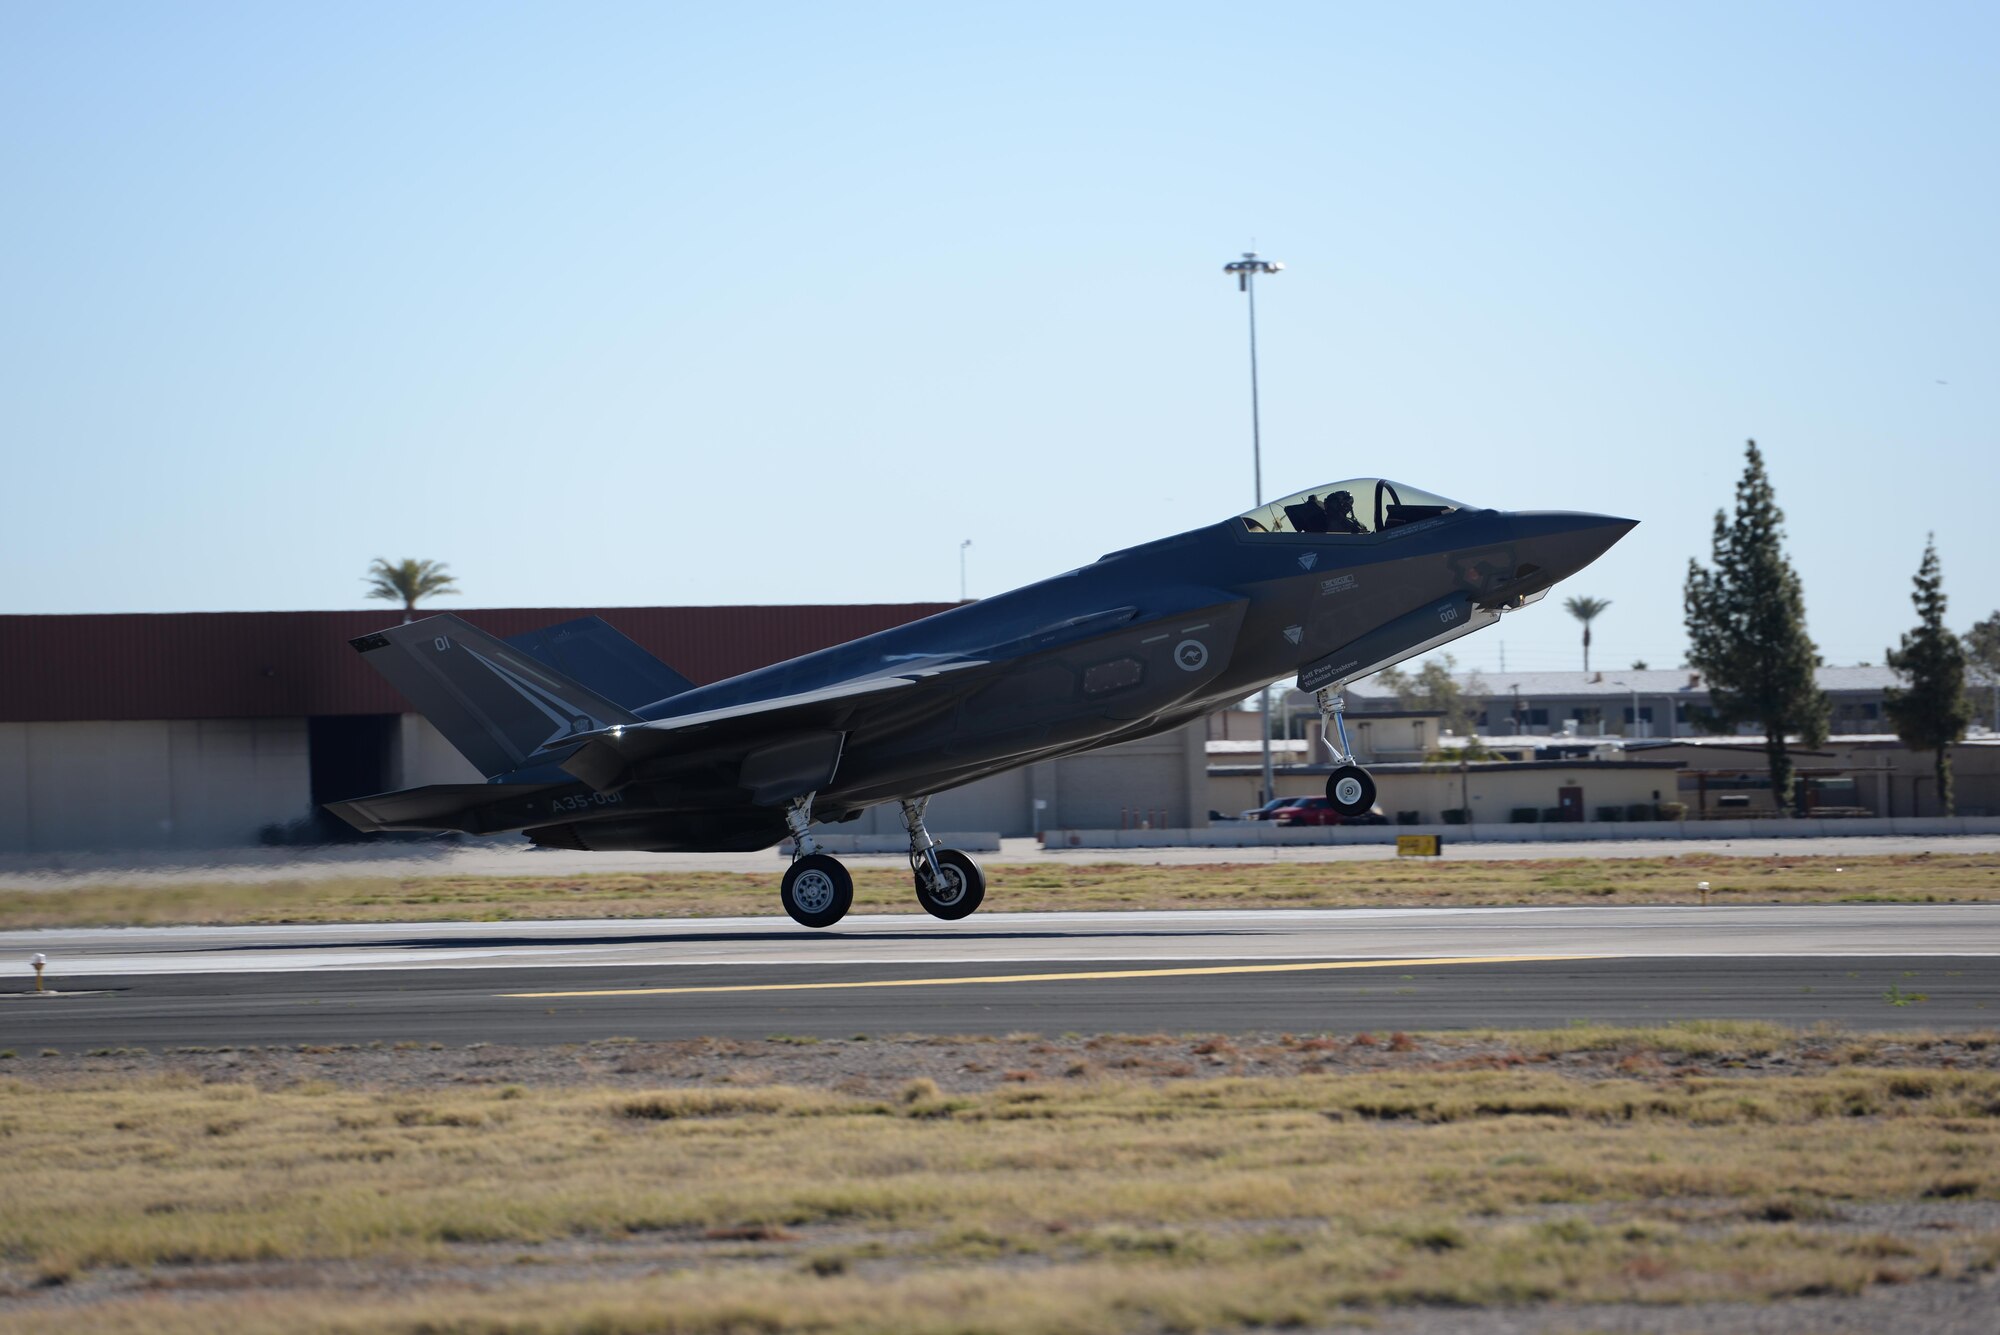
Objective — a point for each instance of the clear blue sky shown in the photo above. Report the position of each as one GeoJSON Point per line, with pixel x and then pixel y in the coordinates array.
{"type": "Point", "coordinates": [637, 304]}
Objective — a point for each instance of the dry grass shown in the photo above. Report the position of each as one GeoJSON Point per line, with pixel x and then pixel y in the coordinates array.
{"type": "Point", "coordinates": [1135, 1203]}
{"type": "Point", "coordinates": [1905, 878]}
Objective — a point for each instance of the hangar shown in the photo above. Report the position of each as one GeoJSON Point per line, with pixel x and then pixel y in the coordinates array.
{"type": "Point", "coordinates": [211, 730]}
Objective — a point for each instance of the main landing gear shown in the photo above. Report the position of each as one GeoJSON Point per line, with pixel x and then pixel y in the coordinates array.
{"type": "Point", "coordinates": [817, 890]}
{"type": "Point", "coordinates": [1348, 788]}
{"type": "Point", "coordinates": [949, 883]}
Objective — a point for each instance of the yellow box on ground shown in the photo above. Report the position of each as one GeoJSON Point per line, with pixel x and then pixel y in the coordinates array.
{"type": "Point", "coordinates": [1419, 846]}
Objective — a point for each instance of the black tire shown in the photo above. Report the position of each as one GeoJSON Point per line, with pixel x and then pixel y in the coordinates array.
{"type": "Point", "coordinates": [817, 891]}
{"type": "Point", "coordinates": [964, 886]}
{"type": "Point", "coordinates": [1350, 790]}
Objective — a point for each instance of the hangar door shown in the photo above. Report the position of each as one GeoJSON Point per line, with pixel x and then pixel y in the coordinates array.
{"type": "Point", "coordinates": [1110, 789]}
{"type": "Point", "coordinates": [350, 756]}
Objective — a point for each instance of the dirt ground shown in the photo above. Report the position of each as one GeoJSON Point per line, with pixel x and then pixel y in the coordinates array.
{"type": "Point", "coordinates": [879, 1065]}
{"type": "Point", "coordinates": [387, 1292]}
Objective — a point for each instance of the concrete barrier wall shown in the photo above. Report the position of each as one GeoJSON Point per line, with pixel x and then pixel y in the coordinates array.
{"type": "Point", "coordinates": [1259, 834]}
{"type": "Point", "coordinates": [985, 842]}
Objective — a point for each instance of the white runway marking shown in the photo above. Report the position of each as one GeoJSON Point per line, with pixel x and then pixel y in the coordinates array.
{"type": "Point", "coordinates": [1224, 936]}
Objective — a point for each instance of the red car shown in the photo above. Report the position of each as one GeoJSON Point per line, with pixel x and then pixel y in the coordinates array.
{"type": "Point", "coordinates": [1319, 811]}
{"type": "Point", "coordinates": [1270, 808]}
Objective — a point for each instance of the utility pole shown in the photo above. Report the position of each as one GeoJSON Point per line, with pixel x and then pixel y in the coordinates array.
{"type": "Point", "coordinates": [961, 568]}
{"type": "Point", "coordinates": [1246, 271]}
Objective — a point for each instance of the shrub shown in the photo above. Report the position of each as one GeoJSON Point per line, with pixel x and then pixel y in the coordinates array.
{"type": "Point", "coordinates": [1456, 815]}
{"type": "Point", "coordinates": [1525, 815]}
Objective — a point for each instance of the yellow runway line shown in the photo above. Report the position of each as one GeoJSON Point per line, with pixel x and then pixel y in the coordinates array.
{"type": "Point", "coordinates": [1191, 972]}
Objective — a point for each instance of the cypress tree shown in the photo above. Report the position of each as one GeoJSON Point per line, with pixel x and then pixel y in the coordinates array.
{"type": "Point", "coordinates": [1933, 711]}
{"type": "Point", "coordinates": [1746, 625]}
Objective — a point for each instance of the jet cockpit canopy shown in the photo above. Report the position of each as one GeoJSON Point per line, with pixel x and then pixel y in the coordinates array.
{"type": "Point", "coordinates": [1358, 507]}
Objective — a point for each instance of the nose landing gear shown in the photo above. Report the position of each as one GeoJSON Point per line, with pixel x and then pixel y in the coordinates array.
{"type": "Point", "coordinates": [949, 883]}
{"type": "Point", "coordinates": [1349, 789]}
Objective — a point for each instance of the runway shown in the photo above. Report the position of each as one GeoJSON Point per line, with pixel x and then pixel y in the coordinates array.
{"type": "Point", "coordinates": [1856, 966]}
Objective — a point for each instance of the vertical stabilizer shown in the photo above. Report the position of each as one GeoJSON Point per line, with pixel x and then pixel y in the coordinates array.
{"type": "Point", "coordinates": [594, 655]}
{"type": "Point", "coordinates": [500, 707]}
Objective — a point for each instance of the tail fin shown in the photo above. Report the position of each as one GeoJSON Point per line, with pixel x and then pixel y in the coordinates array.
{"type": "Point", "coordinates": [598, 658]}
{"type": "Point", "coordinates": [499, 706]}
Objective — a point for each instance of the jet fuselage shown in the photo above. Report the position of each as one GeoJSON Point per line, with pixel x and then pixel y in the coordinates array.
{"type": "Point", "coordinates": [1142, 640]}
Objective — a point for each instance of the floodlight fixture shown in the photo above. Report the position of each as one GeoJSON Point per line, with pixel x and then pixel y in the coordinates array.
{"type": "Point", "coordinates": [1250, 265]}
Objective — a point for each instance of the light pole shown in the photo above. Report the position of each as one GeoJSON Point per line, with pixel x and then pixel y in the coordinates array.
{"type": "Point", "coordinates": [961, 568]}
{"type": "Point", "coordinates": [1632, 728]}
{"type": "Point", "coordinates": [1246, 271]}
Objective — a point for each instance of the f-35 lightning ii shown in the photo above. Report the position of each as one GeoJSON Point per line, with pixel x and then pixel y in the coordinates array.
{"type": "Point", "coordinates": [588, 742]}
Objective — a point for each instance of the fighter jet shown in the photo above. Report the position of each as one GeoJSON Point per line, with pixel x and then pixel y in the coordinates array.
{"type": "Point", "coordinates": [589, 742]}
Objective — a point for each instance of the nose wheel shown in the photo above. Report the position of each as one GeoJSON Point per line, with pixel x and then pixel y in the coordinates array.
{"type": "Point", "coordinates": [1350, 790]}
{"type": "Point", "coordinates": [949, 883]}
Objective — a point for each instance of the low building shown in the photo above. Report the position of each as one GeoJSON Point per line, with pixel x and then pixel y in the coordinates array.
{"type": "Point", "coordinates": [1631, 702]}
{"type": "Point", "coordinates": [1490, 791]}
{"type": "Point", "coordinates": [217, 730]}
{"type": "Point", "coordinates": [1383, 736]}
{"type": "Point", "coordinates": [1867, 775]}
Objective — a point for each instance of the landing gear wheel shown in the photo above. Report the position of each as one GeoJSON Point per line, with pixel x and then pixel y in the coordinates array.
{"type": "Point", "coordinates": [960, 890]}
{"type": "Point", "coordinates": [1350, 790]}
{"type": "Point", "coordinates": [817, 891]}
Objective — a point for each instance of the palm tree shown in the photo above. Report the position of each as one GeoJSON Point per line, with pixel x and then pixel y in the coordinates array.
{"type": "Point", "coordinates": [1585, 609]}
{"type": "Point", "coordinates": [407, 581]}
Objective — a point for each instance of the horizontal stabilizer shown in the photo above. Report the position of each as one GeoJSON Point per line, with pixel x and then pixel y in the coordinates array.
{"type": "Point", "coordinates": [591, 653]}
{"type": "Point", "coordinates": [441, 806]}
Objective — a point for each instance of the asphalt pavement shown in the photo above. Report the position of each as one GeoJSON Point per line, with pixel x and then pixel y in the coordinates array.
{"type": "Point", "coordinates": [1855, 966]}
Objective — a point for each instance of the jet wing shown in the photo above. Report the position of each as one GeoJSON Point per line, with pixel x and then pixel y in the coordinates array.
{"type": "Point", "coordinates": [786, 746]}
{"type": "Point", "coordinates": [808, 721]}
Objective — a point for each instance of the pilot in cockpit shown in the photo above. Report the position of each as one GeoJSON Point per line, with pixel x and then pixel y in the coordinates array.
{"type": "Point", "coordinates": [1340, 514]}
{"type": "Point", "coordinates": [1309, 517]}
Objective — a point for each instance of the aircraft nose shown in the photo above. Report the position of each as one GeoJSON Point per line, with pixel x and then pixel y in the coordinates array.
{"type": "Point", "coordinates": [1563, 542]}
